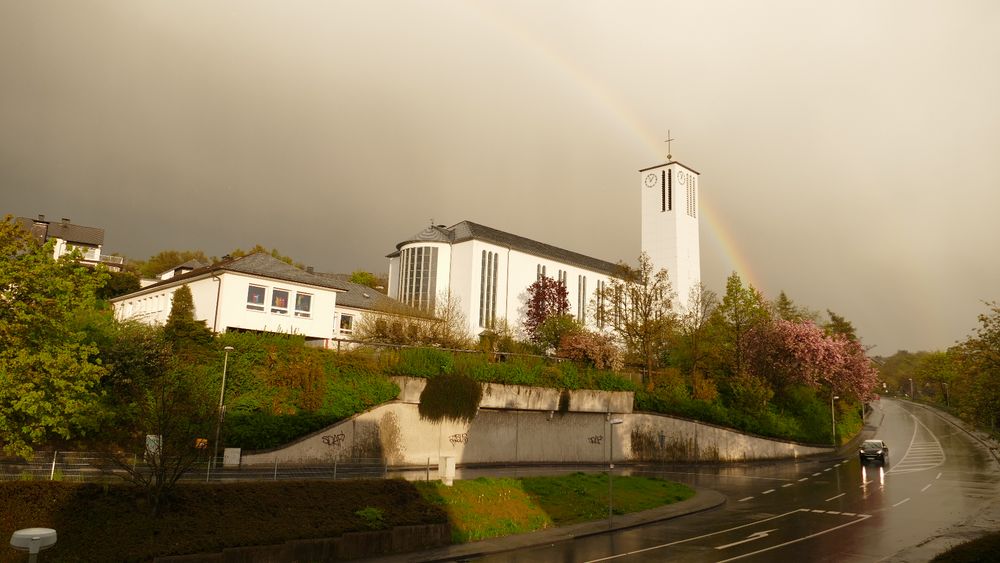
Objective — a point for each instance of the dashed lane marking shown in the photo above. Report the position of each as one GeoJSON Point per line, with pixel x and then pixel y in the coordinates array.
{"type": "Point", "coordinates": [905, 500]}
{"type": "Point", "coordinates": [836, 497]}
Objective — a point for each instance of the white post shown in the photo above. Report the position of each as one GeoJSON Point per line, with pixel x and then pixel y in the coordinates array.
{"type": "Point", "coordinates": [52, 472]}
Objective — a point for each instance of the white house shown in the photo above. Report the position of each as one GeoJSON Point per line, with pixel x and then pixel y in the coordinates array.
{"type": "Point", "coordinates": [488, 271]}
{"type": "Point", "coordinates": [256, 293]}
{"type": "Point", "coordinates": [69, 237]}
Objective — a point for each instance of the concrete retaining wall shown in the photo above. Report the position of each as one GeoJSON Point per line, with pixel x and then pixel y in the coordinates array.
{"type": "Point", "coordinates": [396, 433]}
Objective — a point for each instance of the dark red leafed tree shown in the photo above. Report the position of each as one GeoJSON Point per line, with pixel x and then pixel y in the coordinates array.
{"type": "Point", "coordinates": [547, 298]}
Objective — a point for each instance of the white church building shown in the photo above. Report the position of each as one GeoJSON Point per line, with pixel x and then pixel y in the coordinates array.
{"type": "Point", "coordinates": [487, 271]}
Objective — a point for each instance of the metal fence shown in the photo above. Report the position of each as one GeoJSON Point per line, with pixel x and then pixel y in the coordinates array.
{"type": "Point", "coordinates": [95, 467]}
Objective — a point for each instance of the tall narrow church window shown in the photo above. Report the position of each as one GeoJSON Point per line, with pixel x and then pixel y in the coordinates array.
{"type": "Point", "coordinates": [581, 299]}
{"type": "Point", "coordinates": [600, 303]}
{"type": "Point", "coordinates": [663, 191]}
{"type": "Point", "coordinates": [418, 277]}
{"type": "Point", "coordinates": [488, 274]}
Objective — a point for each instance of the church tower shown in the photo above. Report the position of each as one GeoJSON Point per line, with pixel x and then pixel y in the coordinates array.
{"type": "Point", "coordinates": [670, 224]}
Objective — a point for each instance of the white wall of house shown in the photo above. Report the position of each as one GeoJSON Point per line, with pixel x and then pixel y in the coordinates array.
{"type": "Point", "coordinates": [239, 308]}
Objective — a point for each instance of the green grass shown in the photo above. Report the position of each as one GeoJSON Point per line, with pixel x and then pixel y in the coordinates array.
{"type": "Point", "coordinates": [488, 508]}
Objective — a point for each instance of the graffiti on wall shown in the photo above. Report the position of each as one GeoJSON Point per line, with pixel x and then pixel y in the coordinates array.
{"type": "Point", "coordinates": [333, 440]}
{"type": "Point", "coordinates": [596, 439]}
{"type": "Point", "coordinates": [462, 438]}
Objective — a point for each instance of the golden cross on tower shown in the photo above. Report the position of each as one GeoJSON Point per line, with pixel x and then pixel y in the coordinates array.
{"type": "Point", "coordinates": [669, 139]}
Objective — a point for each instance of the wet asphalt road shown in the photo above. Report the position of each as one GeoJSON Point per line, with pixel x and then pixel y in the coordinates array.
{"type": "Point", "coordinates": [832, 509]}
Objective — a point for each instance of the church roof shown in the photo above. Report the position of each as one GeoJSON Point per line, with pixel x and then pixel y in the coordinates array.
{"type": "Point", "coordinates": [671, 162]}
{"type": "Point", "coordinates": [467, 230]}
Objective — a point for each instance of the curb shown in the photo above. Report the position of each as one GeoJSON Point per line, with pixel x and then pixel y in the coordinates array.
{"type": "Point", "coordinates": [703, 500]}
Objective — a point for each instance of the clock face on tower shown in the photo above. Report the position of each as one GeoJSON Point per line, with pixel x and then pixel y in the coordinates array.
{"type": "Point", "coordinates": [681, 178]}
{"type": "Point", "coordinates": [650, 180]}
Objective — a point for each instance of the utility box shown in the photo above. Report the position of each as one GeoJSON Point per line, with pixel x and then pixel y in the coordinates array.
{"type": "Point", "coordinates": [231, 457]}
{"type": "Point", "coordinates": [446, 469]}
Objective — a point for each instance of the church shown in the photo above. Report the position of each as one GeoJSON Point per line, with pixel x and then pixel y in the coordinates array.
{"type": "Point", "coordinates": [486, 271]}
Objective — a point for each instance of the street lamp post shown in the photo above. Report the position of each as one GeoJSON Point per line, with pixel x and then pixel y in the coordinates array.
{"type": "Point", "coordinates": [833, 419]}
{"type": "Point", "coordinates": [218, 421]}
{"type": "Point", "coordinates": [911, 389]}
{"type": "Point", "coordinates": [611, 462]}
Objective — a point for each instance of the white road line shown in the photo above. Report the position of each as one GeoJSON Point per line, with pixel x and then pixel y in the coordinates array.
{"type": "Point", "coordinates": [828, 468]}
{"type": "Point", "coordinates": [818, 511]}
{"type": "Point", "coordinates": [861, 518]}
{"type": "Point", "coordinates": [803, 479]}
{"type": "Point", "coordinates": [744, 499]}
{"type": "Point", "coordinates": [927, 486]}
{"type": "Point", "coordinates": [767, 492]}
{"type": "Point", "coordinates": [836, 497]}
{"type": "Point", "coordinates": [816, 474]}
{"type": "Point", "coordinates": [938, 477]}
{"type": "Point", "coordinates": [866, 483]}
{"type": "Point", "coordinates": [905, 500]}
{"type": "Point", "coordinates": [848, 514]}
{"type": "Point", "coordinates": [619, 555]}
{"type": "Point", "coordinates": [788, 485]}
{"type": "Point", "coordinates": [832, 512]}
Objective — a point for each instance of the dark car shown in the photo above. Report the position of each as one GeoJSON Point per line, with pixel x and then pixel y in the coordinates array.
{"type": "Point", "coordinates": [874, 450]}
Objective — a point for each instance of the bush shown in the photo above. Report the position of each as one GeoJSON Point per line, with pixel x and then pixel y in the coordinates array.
{"type": "Point", "coordinates": [452, 397]}
{"type": "Point", "coordinates": [261, 431]}
{"type": "Point", "coordinates": [424, 362]}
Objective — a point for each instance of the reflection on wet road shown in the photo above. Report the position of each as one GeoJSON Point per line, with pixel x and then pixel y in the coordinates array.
{"type": "Point", "coordinates": [833, 509]}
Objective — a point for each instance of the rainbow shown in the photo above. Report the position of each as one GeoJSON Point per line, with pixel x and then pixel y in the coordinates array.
{"type": "Point", "coordinates": [628, 124]}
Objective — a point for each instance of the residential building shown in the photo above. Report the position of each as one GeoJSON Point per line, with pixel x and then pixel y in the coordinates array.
{"type": "Point", "coordinates": [253, 293]}
{"type": "Point", "coordinates": [69, 237]}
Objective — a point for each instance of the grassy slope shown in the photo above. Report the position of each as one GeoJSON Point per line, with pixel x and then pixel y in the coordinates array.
{"type": "Point", "coordinates": [487, 508]}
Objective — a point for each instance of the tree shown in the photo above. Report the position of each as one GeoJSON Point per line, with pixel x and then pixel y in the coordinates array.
{"type": "Point", "coordinates": [840, 325]}
{"type": "Point", "coordinates": [979, 357]}
{"type": "Point", "coordinates": [167, 259]}
{"type": "Point", "coordinates": [636, 304]}
{"type": "Point", "coordinates": [742, 309]}
{"type": "Point", "coordinates": [48, 385]}
{"type": "Point", "coordinates": [547, 298]}
{"type": "Point", "coordinates": [173, 411]}
{"type": "Point", "coordinates": [240, 253]}
{"type": "Point", "coordinates": [692, 342]}
{"type": "Point", "coordinates": [784, 308]}
{"type": "Point", "coordinates": [119, 283]}
{"type": "Point", "coordinates": [181, 327]}
{"type": "Point", "coordinates": [369, 279]}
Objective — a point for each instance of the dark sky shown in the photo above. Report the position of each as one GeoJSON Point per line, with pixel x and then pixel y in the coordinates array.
{"type": "Point", "coordinates": [847, 150]}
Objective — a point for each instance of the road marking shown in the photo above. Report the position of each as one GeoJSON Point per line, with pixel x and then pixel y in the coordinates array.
{"type": "Point", "coordinates": [828, 468]}
{"type": "Point", "coordinates": [866, 483]}
{"type": "Point", "coordinates": [927, 486]}
{"type": "Point", "coordinates": [832, 512]}
{"type": "Point", "coordinates": [836, 497]}
{"type": "Point", "coordinates": [818, 511]}
{"type": "Point", "coordinates": [788, 485]}
{"type": "Point", "coordinates": [752, 537]}
{"type": "Point", "coordinates": [861, 518]}
{"type": "Point", "coordinates": [816, 474]}
{"type": "Point", "coordinates": [803, 479]}
{"type": "Point", "coordinates": [905, 500]}
{"type": "Point", "coordinates": [848, 514]}
{"type": "Point", "coordinates": [744, 499]}
{"type": "Point", "coordinates": [767, 492]}
{"type": "Point", "coordinates": [938, 477]}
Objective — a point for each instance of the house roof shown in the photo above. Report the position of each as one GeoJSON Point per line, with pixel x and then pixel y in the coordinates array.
{"type": "Point", "coordinates": [467, 230]}
{"type": "Point", "coordinates": [360, 296]}
{"type": "Point", "coordinates": [258, 264]}
{"type": "Point", "coordinates": [78, 234]}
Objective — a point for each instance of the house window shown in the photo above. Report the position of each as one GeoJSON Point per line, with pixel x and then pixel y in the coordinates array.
{"type": "Point", "coordinates": [279, 301]}
{"type": "Point", "coordinates": [346, 324]}
{"type": "Point", "coordinates": [303, 301]}
{"type": "Point", "coordinates": [255, 298]}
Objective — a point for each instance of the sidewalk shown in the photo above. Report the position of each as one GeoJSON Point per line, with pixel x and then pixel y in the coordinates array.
{"type": "Point", "coordinates": [704, 499]}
